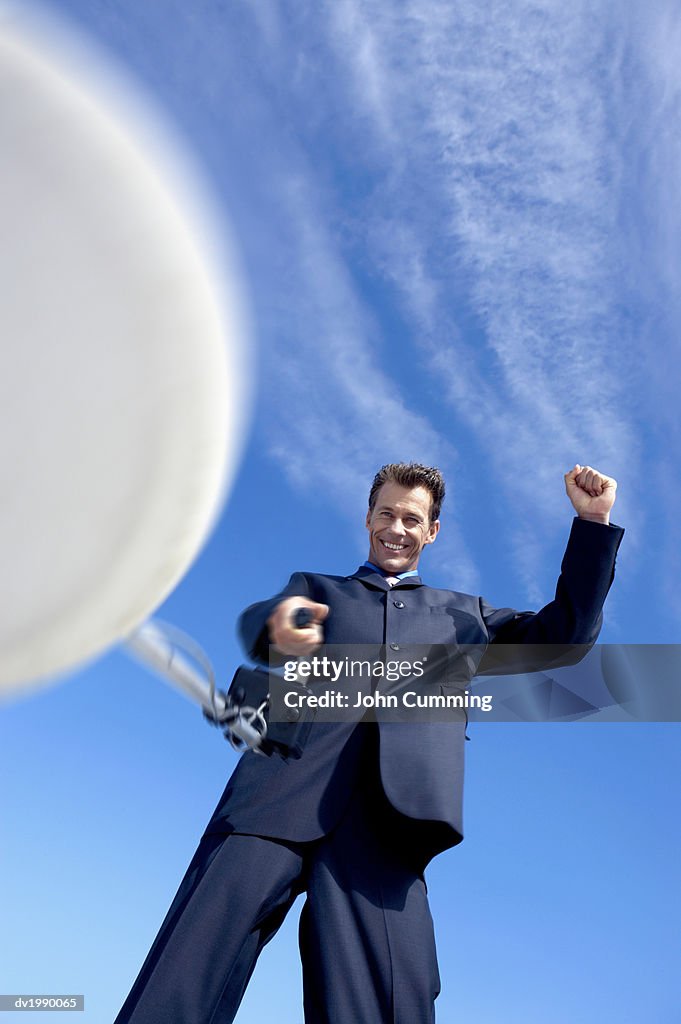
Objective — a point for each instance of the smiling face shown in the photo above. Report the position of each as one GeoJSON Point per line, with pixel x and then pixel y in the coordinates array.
{"type": "Point", "coordinates": [399, 527]}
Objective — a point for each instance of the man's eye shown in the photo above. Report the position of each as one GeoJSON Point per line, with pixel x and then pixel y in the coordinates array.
{"type": "Point", "coordinates": [386, 515]}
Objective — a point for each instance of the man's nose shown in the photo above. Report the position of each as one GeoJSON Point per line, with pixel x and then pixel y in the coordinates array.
{"type": "Point", "coordinates": [398, 527]}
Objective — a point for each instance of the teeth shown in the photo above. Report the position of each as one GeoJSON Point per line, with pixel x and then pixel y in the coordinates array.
{"type": "Point", "coordinates": [393, 547]}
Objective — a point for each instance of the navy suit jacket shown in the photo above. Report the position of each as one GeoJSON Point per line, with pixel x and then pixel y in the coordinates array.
{"type": "Point", "coordinates": [421, 764]}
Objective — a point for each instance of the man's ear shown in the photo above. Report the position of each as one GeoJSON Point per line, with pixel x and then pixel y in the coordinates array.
{"type": "Point", "coordinates": [433, 531]}
{"type": "Point", "coordinates": [368, 519]}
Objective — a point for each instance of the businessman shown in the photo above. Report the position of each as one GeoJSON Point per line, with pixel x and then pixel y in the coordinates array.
{"type": "Point", "coordinates": [356, 819]}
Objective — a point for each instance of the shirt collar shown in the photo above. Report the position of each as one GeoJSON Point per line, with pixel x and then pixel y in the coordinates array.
{"type": "Point", "coordinates": [398, 575]}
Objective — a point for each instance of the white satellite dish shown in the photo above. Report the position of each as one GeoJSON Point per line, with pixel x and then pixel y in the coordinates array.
{"type": "Point", "coordinates": [122, 389]}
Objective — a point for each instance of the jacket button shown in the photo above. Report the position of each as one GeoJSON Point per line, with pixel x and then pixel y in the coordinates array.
{"type": "Point", "coordinates": [394, 647]}
{"type": "Point", "coordinates": [292, 714]}
{"type": "Point", "coordinates": [399, 604]}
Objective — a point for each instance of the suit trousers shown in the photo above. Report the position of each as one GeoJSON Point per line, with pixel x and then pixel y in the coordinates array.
{"type": "Point", "coordinates": [366, 934]}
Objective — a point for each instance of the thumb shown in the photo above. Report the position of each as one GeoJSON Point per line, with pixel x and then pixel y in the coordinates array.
{"type": "Point", "coordinates": [320, 612]}
{"type": "Point", "coordinates": [570, 477]}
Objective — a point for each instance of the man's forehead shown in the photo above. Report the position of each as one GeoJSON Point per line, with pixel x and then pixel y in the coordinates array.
{"type": "Point", "coordinates": [396, 497]}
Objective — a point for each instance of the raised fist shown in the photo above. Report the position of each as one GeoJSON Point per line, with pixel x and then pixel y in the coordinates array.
{"type": "Point", "coordinates": [592, 493]}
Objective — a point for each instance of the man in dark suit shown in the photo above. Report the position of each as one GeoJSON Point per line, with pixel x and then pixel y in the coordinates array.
{"type": "Point", "coordinates": [355, 820]}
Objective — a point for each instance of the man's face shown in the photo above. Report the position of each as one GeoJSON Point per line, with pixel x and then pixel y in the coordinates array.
{"type": "Point", "coordinates": [399, 527]}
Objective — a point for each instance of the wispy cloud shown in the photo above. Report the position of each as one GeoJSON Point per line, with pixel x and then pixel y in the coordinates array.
{"type": "Point", "coordinates": [434, 199]}
{"type": "Point", "coordinates": [653, 104]}
{"type": "Point", "coordinates": [504, 218]}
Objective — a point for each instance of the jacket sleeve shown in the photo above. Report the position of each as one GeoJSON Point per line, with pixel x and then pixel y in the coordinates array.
{"type": "Point", "coordinates": [252, 625]}
{"type": "Point", "coordinates": [566, 628]}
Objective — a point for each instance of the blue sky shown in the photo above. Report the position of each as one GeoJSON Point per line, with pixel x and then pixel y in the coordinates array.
{"type": "Point", "coordinates": [461, 234]}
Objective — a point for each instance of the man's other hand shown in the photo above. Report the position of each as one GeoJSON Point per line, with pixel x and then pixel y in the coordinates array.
{"type": "Point", "coordinates": [592, 493]}
{"type": "Point", "coordinates": [283, 634]}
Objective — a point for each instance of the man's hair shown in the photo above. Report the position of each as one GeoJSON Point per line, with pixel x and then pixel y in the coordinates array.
{"type": "Point", "coordinates": [411, 474]}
